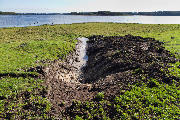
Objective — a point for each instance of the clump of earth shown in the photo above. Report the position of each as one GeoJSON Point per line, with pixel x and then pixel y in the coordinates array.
{"type": "Point", "coordinates": [113, 63]}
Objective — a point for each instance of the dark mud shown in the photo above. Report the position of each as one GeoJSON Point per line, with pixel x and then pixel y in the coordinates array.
{"type": "Point", "coordinates": [63, 81]}
{"type": "Point", "coordinates": [118, 61]}
{"type": "Point", "coordinates": [113, 64]}
{"type": "Point", "coordinates": [125, 58]}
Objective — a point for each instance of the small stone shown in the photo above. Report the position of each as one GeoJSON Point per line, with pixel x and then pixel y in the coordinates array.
{"type": "Point", "coordinates": [77, 60]}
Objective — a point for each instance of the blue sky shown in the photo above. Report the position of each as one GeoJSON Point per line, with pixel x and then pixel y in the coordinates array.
{"type": "Point", "coordinates": [87, 5]}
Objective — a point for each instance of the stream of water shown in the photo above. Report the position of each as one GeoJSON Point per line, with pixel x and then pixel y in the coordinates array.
{"type": "Point", "coordinates": [83, 58]}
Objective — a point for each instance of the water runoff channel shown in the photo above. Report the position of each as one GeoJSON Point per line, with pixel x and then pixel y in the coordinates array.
{"type": "Point", "coordinates": [82, 51]}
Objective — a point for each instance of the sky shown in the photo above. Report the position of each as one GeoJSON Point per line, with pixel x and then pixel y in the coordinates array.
{"type": "Point", "coordinates": [62, 6]}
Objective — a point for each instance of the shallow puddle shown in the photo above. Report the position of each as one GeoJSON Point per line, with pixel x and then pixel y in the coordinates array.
{"type": "Point", "coordinates": [82, 58]}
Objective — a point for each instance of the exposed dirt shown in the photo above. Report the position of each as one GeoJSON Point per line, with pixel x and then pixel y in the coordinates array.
{"type": "Point", "coordinates": [63, 82]}
{"type": "Point", "coordinates": [113, 63]}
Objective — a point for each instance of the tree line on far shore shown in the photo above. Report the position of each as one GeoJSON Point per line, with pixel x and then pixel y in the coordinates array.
{"type": "Point", "coordinates": [109, 13]}
{"type": "Point", "coordinates": [7, 13]}
{"type": "Point", "coordinates": [103, 13]}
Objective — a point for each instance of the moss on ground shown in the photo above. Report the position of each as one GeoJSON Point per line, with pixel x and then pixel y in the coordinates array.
{"type": "Point", "coordinates": [141, 102]}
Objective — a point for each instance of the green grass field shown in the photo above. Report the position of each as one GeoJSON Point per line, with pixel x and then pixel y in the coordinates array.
{"type": "Point", "coordinates": [22, 48]}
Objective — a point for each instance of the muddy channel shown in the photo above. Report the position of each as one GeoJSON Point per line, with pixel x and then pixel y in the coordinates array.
{"type": "Point", "coordinates": [104, 64]}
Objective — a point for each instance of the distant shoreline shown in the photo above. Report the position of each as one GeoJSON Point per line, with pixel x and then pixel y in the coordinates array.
{"type": "Point", "coordinates": [103, 13]}
{"type": "Point", "coordinates": [90, 15]}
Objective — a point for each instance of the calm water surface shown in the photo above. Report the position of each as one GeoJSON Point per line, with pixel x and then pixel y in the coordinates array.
{"type": "Point", "coordinates": [35, 20]}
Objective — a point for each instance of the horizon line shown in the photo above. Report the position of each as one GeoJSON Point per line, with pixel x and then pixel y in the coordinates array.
{"type": "Point", "coordinates": [96, 11]}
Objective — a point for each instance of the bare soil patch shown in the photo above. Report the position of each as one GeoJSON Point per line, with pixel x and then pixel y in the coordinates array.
{"type": "Point", "coordinates": [113, 64]}
{"type": "Point", "coordinates": [64, 82]}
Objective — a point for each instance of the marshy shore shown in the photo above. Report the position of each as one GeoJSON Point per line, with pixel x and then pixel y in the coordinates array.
{"type": "Point", "coordinates": [132, 72]}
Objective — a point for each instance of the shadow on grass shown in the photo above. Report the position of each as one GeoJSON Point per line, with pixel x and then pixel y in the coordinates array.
{"type": "Point", "coordinates": [24, 75]}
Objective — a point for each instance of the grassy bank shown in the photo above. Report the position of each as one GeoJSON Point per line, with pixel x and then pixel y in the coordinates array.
{"type": "Point", "coordinates": [23, 49]}
{"type": "Point", "coordinates": [21, 93]}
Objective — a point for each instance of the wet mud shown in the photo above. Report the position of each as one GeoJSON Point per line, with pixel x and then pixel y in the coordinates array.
{"type": "Point", "coordinates": [113, 63]}
{"type": "Point", "coordinates": [118, 61]}
{"type": "Point", "coordinates": [64, 80]}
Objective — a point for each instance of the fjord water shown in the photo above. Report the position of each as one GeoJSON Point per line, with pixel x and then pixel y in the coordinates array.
{"type": "Point", "coordinates": [35, 20]}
